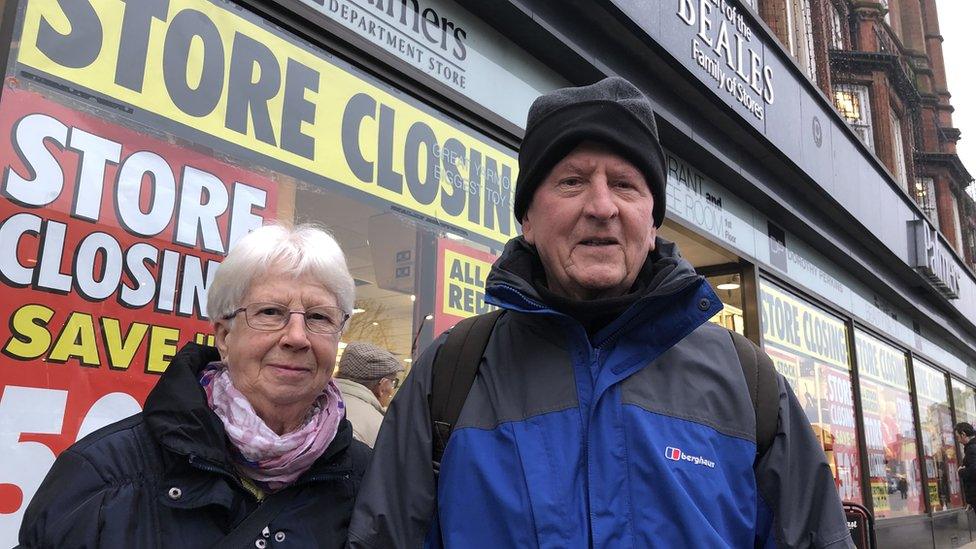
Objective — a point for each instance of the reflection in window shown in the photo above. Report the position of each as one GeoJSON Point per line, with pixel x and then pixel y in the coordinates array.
{"type": "Point", "coordinates": [837, 29]}
{"type": "Point", "coordinates": [800, 36]}
{"type": "Point", "coordinates": [943, 490]}
{"type": "Point", "coordinates": [889, 429]}
{"type": "Point", "coordinates": [925, 198]}
{"type": "Point", "coordinates": [729, 289]}
{"type": "Point", "coordinates": [898, 152]}
{"type": "Point", "coordinates": [815, 362]}
{"type": "Point", "coordinates": [852, 103]}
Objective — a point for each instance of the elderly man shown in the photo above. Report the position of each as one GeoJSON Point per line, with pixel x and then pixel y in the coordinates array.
{"type": "Point", "coordinates": [607, 411]}
{"type": "Point", "coordinates": [367, 379]}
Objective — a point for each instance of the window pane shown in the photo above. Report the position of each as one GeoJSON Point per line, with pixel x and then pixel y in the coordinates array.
{"type": "Point", "coordinates": [889, 428]}
{"type": "Point", "coordinates": [938, 448]}
{"type": "Point", "coordinates": [810, 348]}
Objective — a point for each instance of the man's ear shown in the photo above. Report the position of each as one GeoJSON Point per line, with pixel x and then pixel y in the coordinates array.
{"type": "Point", "coordinates": [527, 231]}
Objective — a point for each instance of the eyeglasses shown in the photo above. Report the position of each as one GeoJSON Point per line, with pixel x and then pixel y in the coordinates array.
{"type": "Point", "coordinates": [395, 381]}
{"type": "Point", "coordinates": [271, 317]}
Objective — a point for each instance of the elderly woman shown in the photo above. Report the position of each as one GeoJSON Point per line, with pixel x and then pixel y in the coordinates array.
{"type": "Point", "coordinates": [245, 445]}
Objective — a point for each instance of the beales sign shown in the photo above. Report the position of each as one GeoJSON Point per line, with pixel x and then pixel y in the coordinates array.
{"type": "Point", "coordinates": [726, 49]}
{"type": "Point", "coordinates": [933, 261]}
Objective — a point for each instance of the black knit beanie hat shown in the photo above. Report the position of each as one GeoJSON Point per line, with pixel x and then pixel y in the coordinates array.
{"type": "Point", "coordinates": [613, 112]}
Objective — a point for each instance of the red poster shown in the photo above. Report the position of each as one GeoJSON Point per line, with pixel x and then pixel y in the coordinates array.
{"type": "Point", "coordinates": [839, 415]}
{"type": "Point", "coordinates": [461, 274]}
{"type": "Point", "coordinates": [109, 239]}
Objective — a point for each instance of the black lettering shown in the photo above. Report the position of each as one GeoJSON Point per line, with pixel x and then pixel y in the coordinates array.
{"type": "Point", "coordinates": [453, 201]}
{"type": "Point", "coordinates": [468, 300]}
{"type": "Point", "coordinates": [474, 187]}
{"type": "Point", "coordinates": [496, 201]}
{"type": "Point", "coordinates": [387, 177]}
{"type": "Point", "coordinates": [81, 46]}
{"type": "Point", "coordinates": [176, 52]}
{"type": "Point", "coordinates": [360, 106]}
{"type": "Point", "coordinates": [430, 19]}
{"type": "Point", "coordinates": [297, 109]}
{"type": "Point", "coordinates": [461, 51]}
{"type": "Point", "coordinates": [134, 40]}
{"type": "Point", "coordinates": [424, 190]}
{"type": "Point", "coordinates": [244, 95]}
{"type": "Point", "coordinates": [454, 296]}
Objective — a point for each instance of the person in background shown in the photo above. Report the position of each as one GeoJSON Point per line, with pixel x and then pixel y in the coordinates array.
{"type": "Point", "coordinates": [243, 441]}
{"type": "Point", "coordinates": [967, 471]}
{"type": "Point", "coordinates": [367, 377]}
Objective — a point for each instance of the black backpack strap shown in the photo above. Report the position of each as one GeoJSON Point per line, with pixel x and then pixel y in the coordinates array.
{"type": "Point", "coordinates": [454, 369]}
{"type": "Point", "coordinates": [760, 376]}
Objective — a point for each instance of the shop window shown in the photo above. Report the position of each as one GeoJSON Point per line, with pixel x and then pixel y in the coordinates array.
{"type": "Point", "coordinates": [800, 36]}
{"type": "Point", "coordinates": [729, 290]}
{"type": "Point", "coordinates": [889, 428]}
{"type": "Point", "coordinates": [898, 152]}
{"type": "Point", "coordinates": [938, 443]}
{"type": "Point", "coordinates": [852, 103]}
{"type": "Point", "coordinates": [963, 402]}
{"type": "Point", "coordinates": [925, 198]}
{"type": "Point", "coordinates": [838, 30]}
{"type": "Point", "coordinates": [121, 202]}
{"type": "Point", "coordinates": [816, 364]}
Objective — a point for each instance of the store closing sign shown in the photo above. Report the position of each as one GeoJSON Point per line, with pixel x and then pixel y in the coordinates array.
{"type": "Point", "coordinates": [109, 240]}
{"type": "Point", "coordinates": [791, 323]}
{"type": "Point", "coordinates": [461, 274]}
{"type": "Point", "coordinates": [207, 66]}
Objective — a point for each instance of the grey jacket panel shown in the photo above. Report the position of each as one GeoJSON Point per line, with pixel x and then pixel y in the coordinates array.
{"type": "Point", "coordinates": [398, 495]}
{"type": "Point", "coordinates": [540, 363]}
{"type": "Point", "coordinates": [699, 380]}
{"type": "Point", "coordinates": [796, 483]}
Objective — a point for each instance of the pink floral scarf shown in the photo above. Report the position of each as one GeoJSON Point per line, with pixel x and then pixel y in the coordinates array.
{"type": "Point", "coordinates": [270, 460]}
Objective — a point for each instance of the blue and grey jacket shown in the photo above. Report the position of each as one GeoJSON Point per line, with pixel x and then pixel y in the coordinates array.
{"type": "Point", "coordinates": [642, 435]}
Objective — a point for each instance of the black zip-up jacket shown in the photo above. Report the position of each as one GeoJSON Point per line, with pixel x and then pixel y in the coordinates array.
{"type": "Point", "coordinates": [164, 478]}
{"type": "Point", "coordinates": [968, 472]}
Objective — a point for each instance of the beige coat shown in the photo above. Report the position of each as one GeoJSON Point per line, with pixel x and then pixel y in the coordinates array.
{"type": "Point", "coordinates": [363, 410]}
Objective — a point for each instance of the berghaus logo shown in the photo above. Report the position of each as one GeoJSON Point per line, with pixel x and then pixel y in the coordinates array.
{"type": "Point", "coordinates": [675, 454]}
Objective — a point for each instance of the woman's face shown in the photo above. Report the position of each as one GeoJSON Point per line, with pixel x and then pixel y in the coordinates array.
{"type": "Point", "coordinates": [282, 372]}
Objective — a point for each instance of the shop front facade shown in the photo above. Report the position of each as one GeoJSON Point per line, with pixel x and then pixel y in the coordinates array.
{"type": "Point", "coordinates": [143, 138]}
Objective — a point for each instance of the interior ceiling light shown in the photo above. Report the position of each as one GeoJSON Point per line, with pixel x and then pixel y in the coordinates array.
{"type": "Point", "coordinates": [732, 284]}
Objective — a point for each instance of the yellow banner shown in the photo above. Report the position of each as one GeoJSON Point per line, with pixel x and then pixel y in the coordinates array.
{"type": "Point", "coordinates": [464, 285]}
{"type": "Point", "coordinates": [881, 362]}
{"type": "Point", "coordinates": [791, 323]}
{"type": "Point", "coordinates": [205, 65]}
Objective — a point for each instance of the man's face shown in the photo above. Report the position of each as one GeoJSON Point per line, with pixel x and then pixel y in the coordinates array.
{"type": "Point", "coordinates": [591, 220]}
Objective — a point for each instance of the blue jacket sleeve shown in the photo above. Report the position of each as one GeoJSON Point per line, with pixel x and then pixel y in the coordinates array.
{"type": "Point", "coordinates": [798, 497]}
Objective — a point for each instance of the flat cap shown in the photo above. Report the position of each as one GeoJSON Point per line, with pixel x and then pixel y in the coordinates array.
{"type": "Point", "coordinates": [366, 362]}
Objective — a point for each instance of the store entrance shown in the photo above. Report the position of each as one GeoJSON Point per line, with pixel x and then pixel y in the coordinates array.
{"type": "Point", "coordinates": [723, 270]}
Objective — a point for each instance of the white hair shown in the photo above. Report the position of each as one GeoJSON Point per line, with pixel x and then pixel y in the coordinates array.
{"type": "Point", "coordinates": [305, 250]}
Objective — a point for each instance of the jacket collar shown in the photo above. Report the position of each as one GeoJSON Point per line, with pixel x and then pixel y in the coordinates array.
{"type": "Point", "coordinates": [181, 421]}
{"type": "Point", "coordinates": [510, 283]}
{"type": "Point", "coordinates": [352, 389]}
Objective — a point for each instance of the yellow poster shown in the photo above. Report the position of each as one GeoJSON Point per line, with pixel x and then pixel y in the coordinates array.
{"type": "Point", "coordinates": [791, 323]}
{"type": "Point", "coordinates": [210, 67]}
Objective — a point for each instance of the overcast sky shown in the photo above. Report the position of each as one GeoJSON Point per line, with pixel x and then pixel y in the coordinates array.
{"type": "Point", "coordinates": [956, 23]}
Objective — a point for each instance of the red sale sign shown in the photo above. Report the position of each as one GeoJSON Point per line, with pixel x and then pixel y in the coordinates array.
{"type": "Point", "coordinates": [109, 239]}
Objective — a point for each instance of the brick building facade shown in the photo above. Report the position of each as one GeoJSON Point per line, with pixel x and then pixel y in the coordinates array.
{"type": "Point", "coordinates": [881, 63]}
